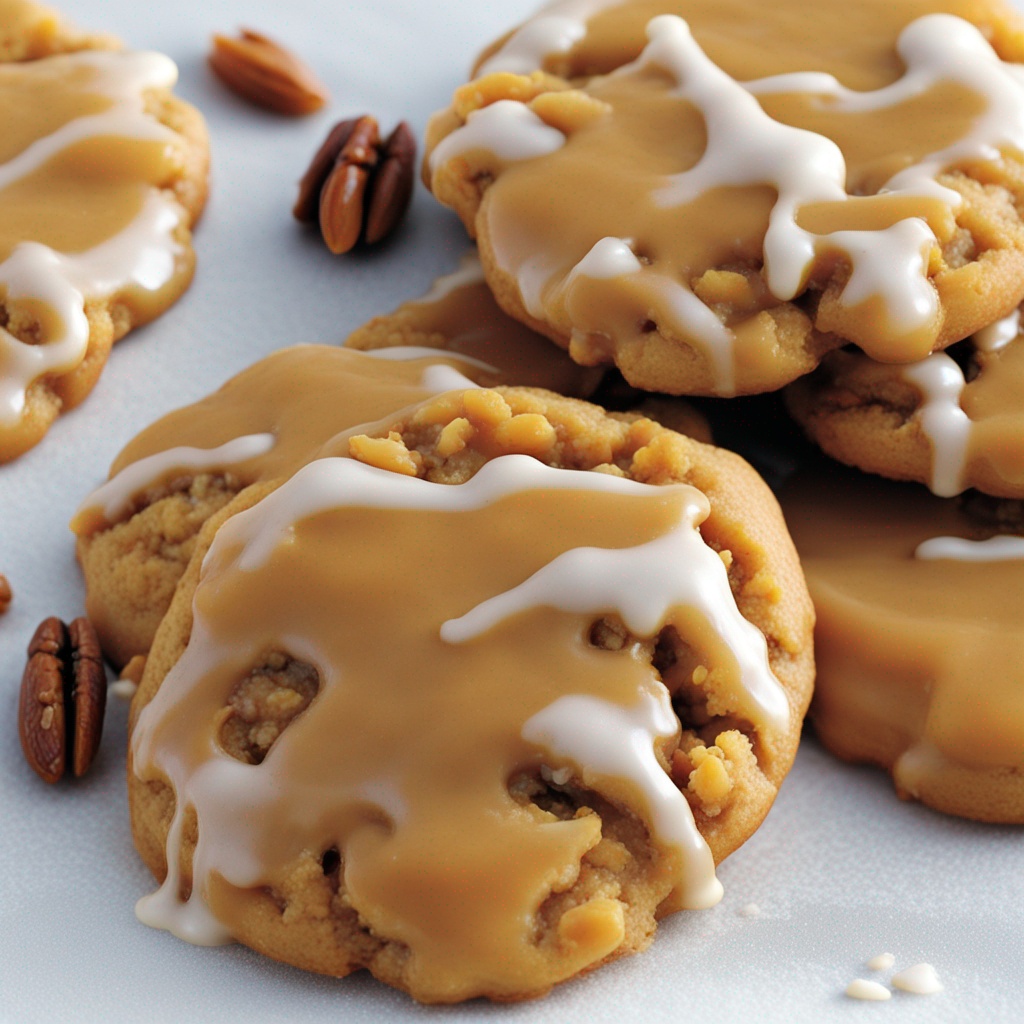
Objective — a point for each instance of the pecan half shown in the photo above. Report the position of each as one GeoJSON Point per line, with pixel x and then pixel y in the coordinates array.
{"type": "Point", "coordinates": [6, 594]}
{"type": "Point", "coordinates": [391, 188]}
{"type": "Point", "coordinates": [341, 199]}
{"type": "Point", "coordinates": [265, 73]}
{"type": "Point", "coordinates": [357, 187]}
{"type": "Point", "coordinates": [63, 698]}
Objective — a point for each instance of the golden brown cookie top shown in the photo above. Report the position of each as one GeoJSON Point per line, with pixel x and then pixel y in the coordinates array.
{"type": "Point", "coordinates": [952, 421]}
{"type": "Point", "coordinates": [488, 590]}
{"type": "Point", "coordinates": [715, 225]}
{"type": "Point", "coordinates": [97, 192]}
{"type": "Point", "coordinates": [920, 604]}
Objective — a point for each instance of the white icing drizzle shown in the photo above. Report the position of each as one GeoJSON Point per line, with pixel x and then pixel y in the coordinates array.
{"type": "Point", "coordinates": [114, 498]}
{"type": "Point", "coordinates": [921, 980]}
{"type": "Point", "coordinates": [609, 741]}
{"type": "Point", "coordinates": [941, 383]}
{"type": "Point", "coordinates": [143, 254]}
{"type": "Point", "coordinates": [746, 147]}
{"type": "Point", "coordinates": [998, 335]}
{"type": "Point", "coordinates": [871, 991]}
{"type": "Point", "coordinates": [227, 794]}
{"type": "Point", "coordinates": [643, 583]}
{"type": "Point", "coordinates": [882, 962]}
{"type": "Point", "coordinates": [996, 549]}
{"type": "Point", "coordinates": [509, 130]}
{"type": "Point", "coordinates": [554, 31]}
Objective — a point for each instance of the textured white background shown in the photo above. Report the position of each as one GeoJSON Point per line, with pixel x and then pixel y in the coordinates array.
{"type": "Point", "coordinates": [841, 870]}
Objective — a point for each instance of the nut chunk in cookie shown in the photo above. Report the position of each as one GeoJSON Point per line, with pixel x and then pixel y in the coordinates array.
{"type": "Point", "coordinates": [715, 224]}
{"type": "Point", "coordinates": [475, 705]}
{"type": "Point", "coordinates": [102, 173]}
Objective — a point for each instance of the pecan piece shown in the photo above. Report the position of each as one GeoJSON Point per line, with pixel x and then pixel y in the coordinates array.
{"type": "Point", "coordinates": [391, 188]}
{"type": "Point", "coordinates": [6, 594]}
{"type": "Point", "coordinates": [357, 187]}
{"type": "Point", "coordinates": [265, 73]}
{"type": "Point", "coordinates": [63, 697]}
{"type": "Point", "coordinates": [341, 199]}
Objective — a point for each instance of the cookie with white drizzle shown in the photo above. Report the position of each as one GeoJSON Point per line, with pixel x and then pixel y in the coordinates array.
{"type": "Point", "coordinates": [952, 422]}
{"type": "Point", "coordinates": [533, 591]}
{"type": "Point", "coordinates": [716, 226]}
{"type": "Point", "coordinates": [103, 171]}
{"type": "Point", "coordinates": [137, 531]}
{"type": "Point", "coordinates": [920, 621]}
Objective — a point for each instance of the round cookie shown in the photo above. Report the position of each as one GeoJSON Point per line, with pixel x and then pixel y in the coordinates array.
{"type": "Point", "coordinates": [953, 421]}
{"type": "Point", "coordinates": [920, 621]}
{"type": "Point", "coordinates": [508, 809]}
{"type": "Point", "coordinates": [102, 174]}
{"type": "Point", "coordinates": [713, 236]}
{"type": "Point", "coordinates": [137, 532]}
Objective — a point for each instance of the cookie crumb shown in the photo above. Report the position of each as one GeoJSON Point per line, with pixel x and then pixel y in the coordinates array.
{"type": "Point", "coordinates": [920, 979]}
{"type": "Point", "coordinates": [749, 910]}
{"type": "Point", "coordinates": [871, 991]}
{"type": "Point", "coordinates": [6, 594]}
{"type": "Point", "coordinates": [882, 962]}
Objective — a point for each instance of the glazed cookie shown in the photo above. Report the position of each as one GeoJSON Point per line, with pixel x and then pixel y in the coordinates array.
{"type": "Point", "coordinates": [474, 705]}
{"type": "Point", "coordinates": [459, 315]}
{"type": "Point", "coordinates": [920, 605]}
{"type": "Point", "coordinates": [102, 174]}
{"type": "Point", "coordinates": [714, 222]}
{"type": "Point", "coordinates": [952, 421]}
{"type": "Point", "coordinates": [137, 532]}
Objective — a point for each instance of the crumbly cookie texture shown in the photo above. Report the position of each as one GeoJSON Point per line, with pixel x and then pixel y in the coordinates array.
{"type": "Point", "coordinates": [657, 252]}
{"type": "Point", "coordinates": [29, 31]}
{"type": "Point", "coordinates": [728, 770]}
{"type": "Point", "coordinates": [920, 621]}
{"type": "Point", "coordinates": [85, 285]}
{"type": "Point", "coordinates": [951, 422]}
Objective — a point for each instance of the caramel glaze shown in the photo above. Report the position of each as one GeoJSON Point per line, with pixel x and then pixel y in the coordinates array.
{"type": "Point", "coordinates": [919, 665]}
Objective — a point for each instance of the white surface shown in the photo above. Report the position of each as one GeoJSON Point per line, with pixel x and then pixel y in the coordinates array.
{"type": "Point", "coordinates": [840, 869]}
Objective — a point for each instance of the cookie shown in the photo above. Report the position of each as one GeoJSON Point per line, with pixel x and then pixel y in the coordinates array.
{"type": "Point", "coordinates": [714, 221]}
{"type": "Point", "coordinates": [137, 532]}
{"type": "Point", "coordinates": [474, 704]}
{"type": "Point", "coordinates": [920, 606]}
{"type": "Point", "coordinates": [102, 174]}
{"type": "Point", "coordinates": [459, 315]}
{"type": "Point", "coordinates": [952, 421]}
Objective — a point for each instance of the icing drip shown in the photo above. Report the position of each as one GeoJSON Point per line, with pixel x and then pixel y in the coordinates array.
{"type": "Point", "coordinates": [143, 255]}
{"type": "Point", "coordinates": [998, 335]}
{"type": "Point", "coordinates": [947, 426]}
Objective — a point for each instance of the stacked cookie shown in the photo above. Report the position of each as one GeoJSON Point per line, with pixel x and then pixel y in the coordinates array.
{"type": "Point", "coordinates": [636, 802]}
{"type": "Point", "coordinates": [716, 205]}
{"type": "Point", "coordinates": [457, 677]}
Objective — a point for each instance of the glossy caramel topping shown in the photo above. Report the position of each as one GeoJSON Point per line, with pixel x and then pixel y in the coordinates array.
{"type": "Point", "coordinates": [459, 315]}
{"type": "Point", "coordinates": [83, 211]}
{"type": "Point", "coordinates": [269, 420]}
{"type": "Point", "coordinates": [920, 644]}
{"type": "Point", "coordinates": [449, 626]}
{"type": "Point", "coordinates": [693, 192]}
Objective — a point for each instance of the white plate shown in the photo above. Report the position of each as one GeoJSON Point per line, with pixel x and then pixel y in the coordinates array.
{"type": "Point", "coordinates": [841, 870]}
